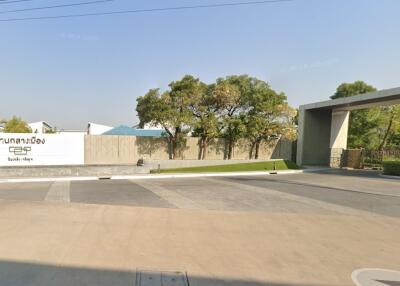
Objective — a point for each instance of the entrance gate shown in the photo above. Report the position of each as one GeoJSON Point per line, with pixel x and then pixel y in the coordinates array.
{"type": "Point", "coordinates": [323, 126]}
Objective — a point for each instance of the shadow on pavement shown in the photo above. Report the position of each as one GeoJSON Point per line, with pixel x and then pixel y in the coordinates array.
{"type": "Point", "coordinates": [33, 274]}
{"type": "Point", "coordinates": [303, 184]}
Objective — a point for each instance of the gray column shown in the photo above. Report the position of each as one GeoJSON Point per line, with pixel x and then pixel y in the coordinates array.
{"type": "Point", "coordinates": [313, 147]}
{"type": "Point", "coordinates": [338, 140]}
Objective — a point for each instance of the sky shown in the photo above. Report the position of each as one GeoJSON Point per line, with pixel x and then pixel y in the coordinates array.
{"type": "Point", "coordinates": [69, 72]}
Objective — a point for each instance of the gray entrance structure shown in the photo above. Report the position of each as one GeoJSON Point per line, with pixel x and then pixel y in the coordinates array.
{"type": "Point", "coordinates": [323, 126]}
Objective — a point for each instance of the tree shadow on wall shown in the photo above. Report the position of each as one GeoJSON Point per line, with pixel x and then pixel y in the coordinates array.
{"type": "Point", "coordinates": [217, 147]}
{"type": "Point", "coordinates": [182, 147]}
{"type": "Point", "coordinates": [147, 146]}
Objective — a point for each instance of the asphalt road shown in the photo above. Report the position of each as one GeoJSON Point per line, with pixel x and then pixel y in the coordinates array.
{"type": "Point", "coordinates": [325, 192]}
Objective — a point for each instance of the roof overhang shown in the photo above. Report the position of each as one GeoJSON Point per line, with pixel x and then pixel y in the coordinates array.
{"type": "Point", "coordinates": [379, 98]}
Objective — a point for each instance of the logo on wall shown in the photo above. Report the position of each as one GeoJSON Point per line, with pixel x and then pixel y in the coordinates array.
{"type": "Point", "coordinates": [19, 150]}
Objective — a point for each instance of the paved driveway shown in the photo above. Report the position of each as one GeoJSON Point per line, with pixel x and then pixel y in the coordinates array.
{"type": "Point", "coordinates": [283, 230]}
{"type": "Point", "coordinates": [325, 192]}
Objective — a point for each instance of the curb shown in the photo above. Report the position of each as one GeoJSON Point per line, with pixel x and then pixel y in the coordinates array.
{"type": "Point", "coordinates": [155, 176]}
{"type": "Point", "coordinates": [389, 177]}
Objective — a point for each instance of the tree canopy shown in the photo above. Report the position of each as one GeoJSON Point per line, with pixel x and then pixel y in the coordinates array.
{"type": "Point", "coordinates": [351, 89]}
{"type": "Point", "coordinates": [234, 107]}
{"type": "Point", "coordinates": [16, 125]}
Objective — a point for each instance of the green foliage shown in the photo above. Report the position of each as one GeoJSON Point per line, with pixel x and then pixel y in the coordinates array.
{"type": "Point", "coordinates": [362, 129]}
{"type": "Point", "coordinates": [171, 109]}
{"type": "Point", "coordinates": [205, 116]}
{"type": "Point", "coordinates": [363, 123]}
{"type": "Point", "coordinates": [389, 127]}
{"type": "Point", "coordinates": [16, 125]}
{"type": "Point", "coordinates": [351, 89]}
{"type": "Point", "coordinates": [391, 168]}
{"type": "Point", "coordinates": [234, 107]}
{"type": "Point", "coordinates": [229, 97]}
{"type": "Point", "coordinates": [374, 128]}
{"type": "Point", "coordinates": [269, 116]}
{"type": "Point", "coordinates": [242, 167]}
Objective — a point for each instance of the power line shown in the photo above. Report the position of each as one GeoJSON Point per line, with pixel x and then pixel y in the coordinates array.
{"type": "Point", "coordinates": [13, 1]}
{"type": "Point", "coordinates": [146, 10]}
{"type": "Point", "coordinates": [56, 6]}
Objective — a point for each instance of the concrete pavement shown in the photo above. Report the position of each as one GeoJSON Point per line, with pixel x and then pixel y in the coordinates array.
{"type": "Point", "coordinates": [109, 243]}
{"type": "Point", "coordinates": [292, 230]}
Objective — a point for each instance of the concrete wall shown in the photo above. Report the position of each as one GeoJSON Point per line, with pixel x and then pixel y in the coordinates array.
{"type": "Point", "coordinates": [322, 137]}
{"type": "Point", "coordinates": [314, 137]}
{"type": "Point", "coordinates": [129, 149]}
{"type": "Point", "coordinates": [67, 171]}
{"type": "Point", "coordinates": [172, 164]}
{"type": "Point", "coordinates": [113, 150]}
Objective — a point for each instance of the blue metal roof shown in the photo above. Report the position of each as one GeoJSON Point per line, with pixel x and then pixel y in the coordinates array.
{"type": "Point", "coordinates": [124, 130]}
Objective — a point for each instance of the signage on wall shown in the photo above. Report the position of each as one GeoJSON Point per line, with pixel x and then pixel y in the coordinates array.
{"type": "Point", "coordinates": [38, 149]}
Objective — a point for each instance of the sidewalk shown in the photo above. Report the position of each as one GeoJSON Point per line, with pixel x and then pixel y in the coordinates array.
{"type": "Point", "coordinates": [156, 176]}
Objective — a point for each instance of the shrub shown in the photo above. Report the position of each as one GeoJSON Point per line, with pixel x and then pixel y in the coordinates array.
{"type": "Point", "coordinates": [391, 167]}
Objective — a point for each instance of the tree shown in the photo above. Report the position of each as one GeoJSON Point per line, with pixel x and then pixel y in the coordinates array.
{"type": "Point", "coordinates": [233, 108]}
{"type": "Point", "coordinates": [205, 112]}
{"type": "Point", "coordinates": [170, 110]}
{"type": "Point", "coordinates": [362, 123]}
{"type": "Point", "coordinates": [389, 123]}
{"type": "Point", "coordinates": [270, 117]}
{"type": "Point", "coordinates": [16, 125]}
{"type": "Point", "coordinates": [230, 95]}
{"type": "Point", "coordinates": [351, 89]}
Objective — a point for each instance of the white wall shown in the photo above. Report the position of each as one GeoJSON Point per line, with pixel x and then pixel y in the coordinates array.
{"type": "Point", "coordinates": [41, 149]}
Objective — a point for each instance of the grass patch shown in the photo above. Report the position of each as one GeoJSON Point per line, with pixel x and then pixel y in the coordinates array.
{"type": "Point", "coordinates": [242, 167]}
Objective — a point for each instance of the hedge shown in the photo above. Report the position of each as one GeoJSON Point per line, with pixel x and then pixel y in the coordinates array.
{"type": "Point", "coordinates": [391, 168]}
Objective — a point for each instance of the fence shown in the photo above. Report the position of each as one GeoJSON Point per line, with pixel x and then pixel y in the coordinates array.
{"type": "Point", "coordinates": [374, 158]}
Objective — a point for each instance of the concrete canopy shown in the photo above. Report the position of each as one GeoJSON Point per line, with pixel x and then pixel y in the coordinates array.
{"type": "Point", "coordinates": [323, 125]}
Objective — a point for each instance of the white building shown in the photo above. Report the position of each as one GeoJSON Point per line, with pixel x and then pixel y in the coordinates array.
{"type": "Point", "coordinates": [97, 129]}
{"type": "Point", "coordinates": [63, 131]}
{"type": "Point", "coordinates": [40, 127]}
{"type": "Point", "coordinates": [149, 126]}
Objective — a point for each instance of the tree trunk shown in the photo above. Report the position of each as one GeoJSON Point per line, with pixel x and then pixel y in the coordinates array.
{"type": "Point", "coordinates": [230, 149]}
{"type": "Point", "coordinates": [175, 141]}
{"type": "Point", "coordinates": [173, 149]}
{"type": "Point", "coordinates": [253, 144]}
{"type": "Point", "coordinates": [383, 143]}
{"type": "Point", "coordinates": [204, 149]}
{"type": "Point", "coordinates": [200, 154]}
{"type": "Point", "coordinates": [257, 148]}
